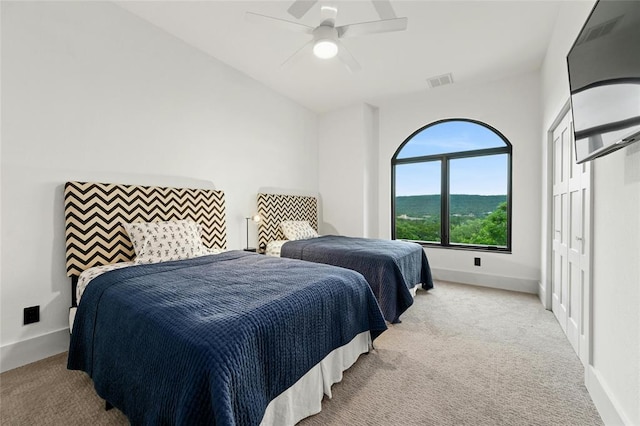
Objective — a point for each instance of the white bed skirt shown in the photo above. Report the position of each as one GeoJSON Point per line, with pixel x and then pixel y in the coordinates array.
{"type": "Point", "coordinates": [304, 398]}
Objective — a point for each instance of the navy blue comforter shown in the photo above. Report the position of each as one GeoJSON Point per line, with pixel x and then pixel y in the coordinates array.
{"type": "Point", "coordinates": [391, 267]}
{"type": "Point", "coordinates": [213, 340]}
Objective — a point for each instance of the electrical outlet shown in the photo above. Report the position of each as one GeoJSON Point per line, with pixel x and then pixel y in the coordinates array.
{"type": "Point", "coordinates": [31, 314]}
{"type": "Point", "coordinates": [476, 261]}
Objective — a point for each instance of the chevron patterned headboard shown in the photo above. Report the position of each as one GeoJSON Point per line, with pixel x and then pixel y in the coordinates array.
{"type": "Point", "coordinates": [94, 212]}
{"type": "Point", "coordinates": [274, 208]}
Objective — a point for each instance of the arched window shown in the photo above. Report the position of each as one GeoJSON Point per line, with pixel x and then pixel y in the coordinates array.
{"type": "Point", "coordinates": [451, 186]}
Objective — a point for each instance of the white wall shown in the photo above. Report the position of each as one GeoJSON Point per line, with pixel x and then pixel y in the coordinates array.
{"type": "Point", "coordinates": [616, 279]}
{"type": "Point", "coordinates": [613, 378]}
{"type": "Point", "coordinates": [91, 92]}
{"type": "Point", "coordinates": [510, 106]}
{"type": "Point", "coordinates": [347, 163]}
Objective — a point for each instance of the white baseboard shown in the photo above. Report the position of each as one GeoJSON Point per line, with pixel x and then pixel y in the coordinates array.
{"type": "Point", "coordinates": [608, 408]}
{"type": "Point", "coordinates": [484, 280]}
{"type": "Point", "coordinates": [542, 295]}
{"type": "Point", "coordinates": [17, 354]}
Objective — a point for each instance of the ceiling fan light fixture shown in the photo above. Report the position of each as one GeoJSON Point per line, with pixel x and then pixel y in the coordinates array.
{"type": "Point", "coordinates": [325, 49]}
{"type": "Point", "coordinates": [327, 38]}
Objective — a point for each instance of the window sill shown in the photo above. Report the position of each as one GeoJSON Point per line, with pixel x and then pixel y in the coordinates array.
{"type": "Point", "coordinates": [504, 250]}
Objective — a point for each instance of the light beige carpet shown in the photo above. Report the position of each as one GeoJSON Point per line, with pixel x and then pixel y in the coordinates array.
{"type": "Point", "coordinates": [463, 355]}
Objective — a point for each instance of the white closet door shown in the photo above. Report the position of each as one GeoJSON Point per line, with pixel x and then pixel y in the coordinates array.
{"type": "Point", "coordinates": [571, 222]}
{"type": "Point", "coordinates": [560, 287]}
{"type": "Point", "coordinates": [575, 234]}
{"type": "Point", "coordinates": [579, 256]}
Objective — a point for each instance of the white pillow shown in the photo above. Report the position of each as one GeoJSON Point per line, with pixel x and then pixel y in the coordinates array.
{"type": "Point", "coordinates": [297, 229]}
{"type": "Point", "coordinates": [156, 242]}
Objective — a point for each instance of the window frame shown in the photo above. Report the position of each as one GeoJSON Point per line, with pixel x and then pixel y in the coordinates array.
{"type": "Point", "coordinates": [444, 186]}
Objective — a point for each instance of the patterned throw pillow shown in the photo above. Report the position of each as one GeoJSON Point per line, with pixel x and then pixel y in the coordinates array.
{"type": "Point", "coordinates": [297, 229]}
{"type": "Point", "coordinates": [156, 242]}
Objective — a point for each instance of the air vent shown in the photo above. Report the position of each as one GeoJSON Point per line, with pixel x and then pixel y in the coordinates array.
{"type": "Point", "coordinates": [599, 30]}
{"type": "Point", "coordinates": [440, 80]}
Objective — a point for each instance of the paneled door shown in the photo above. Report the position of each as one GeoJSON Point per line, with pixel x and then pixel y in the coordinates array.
{"type": "Point", "coordinates": [561, 163]}
{"type": "Point", "coordinates": [571, 236]}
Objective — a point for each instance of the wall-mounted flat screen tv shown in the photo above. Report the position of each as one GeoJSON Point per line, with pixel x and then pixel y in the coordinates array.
{"type": "Point", "coordinates": [604, 79]}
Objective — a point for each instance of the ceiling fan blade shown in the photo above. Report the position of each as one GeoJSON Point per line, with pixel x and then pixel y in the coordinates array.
{"type": "Point", "coordinates": [364, 28]}
{"type": "Point", "coordinates": [283, 24]}
{"type": "Point", "coordinates": [347, 58]}
{"type": "Point", "coordinates": [384, 9]}
{"type": "Point", "coordinates": [300, 53]}
{"type": "Point", "coordinates": [299, 8]}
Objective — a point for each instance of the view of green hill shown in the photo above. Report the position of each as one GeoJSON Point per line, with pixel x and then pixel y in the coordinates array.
{"type": "Point", "coordinates": [416, 206]}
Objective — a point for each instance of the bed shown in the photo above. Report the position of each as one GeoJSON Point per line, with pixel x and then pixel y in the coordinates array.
{"type": "Point", "coordinates": [393, 269]}
{"type": "Point", "coordinates": [221, 337]}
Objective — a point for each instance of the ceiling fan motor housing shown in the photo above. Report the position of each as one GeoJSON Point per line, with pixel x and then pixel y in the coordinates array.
{"type": "Point", "coordinates": [325, 41]}
{"type": "Point", "coordinates": [325, 32]}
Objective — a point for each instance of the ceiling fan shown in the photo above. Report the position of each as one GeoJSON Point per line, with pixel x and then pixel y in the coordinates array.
{"type": "Point", "coordinates": [326, 42]}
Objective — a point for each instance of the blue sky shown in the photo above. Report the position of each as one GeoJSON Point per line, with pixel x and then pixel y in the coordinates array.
{"type": "Point", "coordinates": [476, 175]}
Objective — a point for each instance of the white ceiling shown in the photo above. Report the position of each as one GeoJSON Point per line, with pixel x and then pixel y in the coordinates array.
{"type": "Point", "coordinates": [475, 40]}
